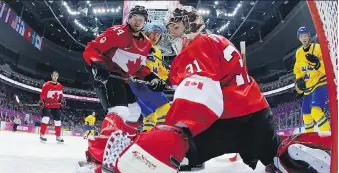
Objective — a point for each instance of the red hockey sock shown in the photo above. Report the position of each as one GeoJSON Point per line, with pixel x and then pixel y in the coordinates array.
{"type": "Point", "coordinates": [57, 130]}
{"type": "Point", "coordinates": [43, 128]}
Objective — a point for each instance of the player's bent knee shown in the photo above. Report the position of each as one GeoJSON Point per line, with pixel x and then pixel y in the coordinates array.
{"type": "Point", "coordinates": [57, 123]}
{"type": "Point", "coordinates": [45, 120]}
{"type": "Point", "coordinates": [135, 112]}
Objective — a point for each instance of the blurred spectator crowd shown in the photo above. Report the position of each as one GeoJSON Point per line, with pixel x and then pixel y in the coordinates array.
{"type": "Point", "coordinates": [8, 72]}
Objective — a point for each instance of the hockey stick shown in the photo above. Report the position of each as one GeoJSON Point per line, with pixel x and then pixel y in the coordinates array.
{"type": "Point", "coordinates": [163, 61]}
{"type": "Point", "coordinates": [136, 81]}
{"type": "Point", "coordinates": [21, 105]}
{"type": "Point", "coordinates": [312, 53]}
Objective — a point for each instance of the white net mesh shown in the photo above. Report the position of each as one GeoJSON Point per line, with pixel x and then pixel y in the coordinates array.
{"type": "Point", "coordinates": [328, 12]}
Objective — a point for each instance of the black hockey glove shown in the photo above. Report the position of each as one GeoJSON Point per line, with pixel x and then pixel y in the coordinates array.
{"type": "Point", "coordinates": [314, 60]}
{"type": "Point", "coordinates": [100, 71]}
{"type": "Point", "coordinates": [157, 84]}
{"type": "Point", "coordinates": [299, 95]}
{"type": "Point", "coordinates": [41, 104]}
{"type": "Point", "coordinates": [301, 84]}
{"type": "Point", "coordinates": [151, 51]}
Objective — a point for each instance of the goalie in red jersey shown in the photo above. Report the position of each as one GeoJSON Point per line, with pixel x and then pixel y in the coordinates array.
{"type": "Point", "coordinates": [121, 51]}
{"type": "Point", "coordinates": [218, 108]}
{"type": "Point", "coordinates": [51, 100]}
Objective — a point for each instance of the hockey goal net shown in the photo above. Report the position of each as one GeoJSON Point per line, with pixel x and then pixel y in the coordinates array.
{"type": "Point", "coordinates": [325, 19]}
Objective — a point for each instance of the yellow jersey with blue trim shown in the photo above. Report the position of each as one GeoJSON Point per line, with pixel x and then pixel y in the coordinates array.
{"type": "Point", "coordinates": [155, 65]}
{"type": "Point", "coordinates": [90, 120]}
{"type": "Point", "coordinates": [303, 69]}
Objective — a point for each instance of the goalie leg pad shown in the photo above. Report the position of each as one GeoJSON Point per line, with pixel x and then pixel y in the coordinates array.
{"type": "Point", "coordinates": [111, 124]}
{"type": "Point", "coordinates": [145, 155]}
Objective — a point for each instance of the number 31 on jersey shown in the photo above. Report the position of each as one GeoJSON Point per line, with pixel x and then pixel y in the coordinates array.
{"type": "Point", "coordinates": [229, 53]}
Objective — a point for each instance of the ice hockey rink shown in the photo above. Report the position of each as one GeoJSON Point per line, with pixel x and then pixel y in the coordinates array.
{"type": "Point", "coordinates": [23, 153]}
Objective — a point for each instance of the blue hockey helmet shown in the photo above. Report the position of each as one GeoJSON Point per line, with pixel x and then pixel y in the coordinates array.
{"type": "Point", "coordinates": [302, 30]}
{"type": "Point", "coordinates": [156, 28]}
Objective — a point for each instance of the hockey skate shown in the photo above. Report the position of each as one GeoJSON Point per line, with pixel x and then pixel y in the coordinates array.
{"type": "Point", "coordinates": [316, 158]}
{"type": "Point", "coordinates": [59, 140]}
{"type": "Point", "coordinates": [43, 139]}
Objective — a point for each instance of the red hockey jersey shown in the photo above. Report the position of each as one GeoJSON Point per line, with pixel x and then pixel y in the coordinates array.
{"type": "Point", "coordinates": [51, 94]}
{"type": "Point", "coordinates": [120, 50]}
{"type": "Point", "coordinates": [212, 83]}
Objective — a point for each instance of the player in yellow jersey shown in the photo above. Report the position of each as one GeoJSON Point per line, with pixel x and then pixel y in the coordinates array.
{"type": "Point", "coordinates": [154, 105]}
{"type": "Point", "coordinates": [89, 125]}
{"type": "Point", "coordinates": [310, 75]}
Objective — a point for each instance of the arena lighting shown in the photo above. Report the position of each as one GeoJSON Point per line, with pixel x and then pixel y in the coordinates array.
{"type": "Point", "coordinates": [80, 25]}
{"type": "Point", "coordinates": [224, 27]}
{"type": "Point", "coordinates": [106, 10]}
{"type": "Point", "coordinates": [234, 11]}
{"type": "Point", "coordinates": [203, 12]}
{"type": "Point", "coordinates": [69, 9]}
{"type": "Point", "coordinates": [216, 2]}
{"type": "Point", "coordinates": [88, 2]}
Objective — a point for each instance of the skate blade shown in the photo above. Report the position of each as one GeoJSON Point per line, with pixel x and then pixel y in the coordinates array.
{"type": "Point", "coordinates": [84, 167]}
{"type": "Point", "coordinates": [60, 143]}
{"type": "Point", "coordinates": [43, 142]}
{"type": "Point", "coordinates": [316, 158]}
{"type": "Point", "coordinates": [105, 169]}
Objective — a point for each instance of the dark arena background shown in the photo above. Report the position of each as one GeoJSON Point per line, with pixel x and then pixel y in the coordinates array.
{"type": "Point", "coordinates": [38, 37]}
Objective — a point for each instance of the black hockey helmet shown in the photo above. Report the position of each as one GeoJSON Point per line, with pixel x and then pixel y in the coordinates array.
{"type": "Point", "coordinates": [141, 10]}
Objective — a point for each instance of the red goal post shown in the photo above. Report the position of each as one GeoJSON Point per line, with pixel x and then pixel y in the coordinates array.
{"type": "Point", "coordinates": [324, 15]}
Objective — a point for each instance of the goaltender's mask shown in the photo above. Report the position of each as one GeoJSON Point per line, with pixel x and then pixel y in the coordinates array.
{"type": "Point", "coordinates": [180, 22]}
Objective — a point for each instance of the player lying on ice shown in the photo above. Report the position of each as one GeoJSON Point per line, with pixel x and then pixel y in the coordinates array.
{"type": "Point", "coordinates": [217, 109]}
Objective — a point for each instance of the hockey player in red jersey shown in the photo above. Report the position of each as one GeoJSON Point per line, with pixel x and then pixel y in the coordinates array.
{"type": "Point", "coordinates": [120, 51]}
{"type": "Point", "coordinates": [51, 100]}
{"type": "Point", "coordinates": [218, 108]}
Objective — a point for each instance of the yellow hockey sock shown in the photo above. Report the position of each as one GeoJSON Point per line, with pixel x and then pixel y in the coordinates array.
{"type": "Point", "coordinates": [308, 123]}
{"type": "Point", "coordinates": [161, 113]}
{"type": "Point", "coordinates": [148, 122]}
{"type": "Point", "coordinates": [86, 133]}
{"type": "Point", "coordinates": [319, 116]}
{"type": "Point", "coordinates": [92, 132]}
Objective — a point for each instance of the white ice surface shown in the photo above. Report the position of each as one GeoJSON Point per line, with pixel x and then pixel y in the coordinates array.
{"type": "Point", "coordinates": [23, 153]}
